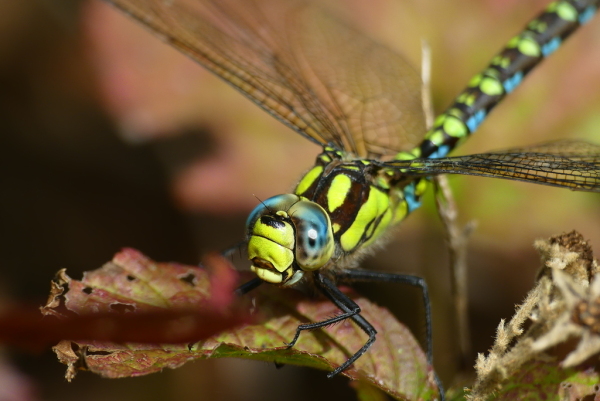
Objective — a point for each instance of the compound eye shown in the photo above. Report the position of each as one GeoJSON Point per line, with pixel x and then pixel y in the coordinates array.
{"type": "Point", "coordinates": [271, 205]}
{"type": "Point", "coordinates": [314, 236]}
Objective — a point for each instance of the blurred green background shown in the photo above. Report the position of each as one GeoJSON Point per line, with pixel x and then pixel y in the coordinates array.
{"type": "Point", "coordinates": [110, 138]}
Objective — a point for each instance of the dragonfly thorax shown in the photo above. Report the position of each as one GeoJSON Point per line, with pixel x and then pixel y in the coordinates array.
{"type": "Point", "coordinates": [287, 236]}
{"type": "Point", "coordinates": [362, 199]}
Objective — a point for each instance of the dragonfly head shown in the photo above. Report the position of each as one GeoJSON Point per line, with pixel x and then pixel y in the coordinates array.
{"type": "Point", "coordinates": [287, 236]}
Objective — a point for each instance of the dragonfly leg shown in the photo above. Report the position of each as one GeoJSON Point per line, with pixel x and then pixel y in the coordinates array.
{"type": "Point", "coordinates": [351, 311]}
{"type": "Point", "coordinates": [354, 275]}
{"type": "Point", "coordinates": [249, 286]}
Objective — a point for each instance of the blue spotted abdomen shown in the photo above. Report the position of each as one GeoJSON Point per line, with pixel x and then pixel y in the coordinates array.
{"type": "Point", "coordinates": [542, 37]}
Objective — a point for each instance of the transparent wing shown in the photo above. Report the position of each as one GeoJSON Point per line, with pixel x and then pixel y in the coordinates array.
{"type": "Point", "coordinates": [569, 164]}
{"type": "Point", "coordinates": [320, 77]}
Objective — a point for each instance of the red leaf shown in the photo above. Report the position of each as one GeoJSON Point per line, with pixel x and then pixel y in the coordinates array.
{"type": "Point", "coordinates": [133, 283]}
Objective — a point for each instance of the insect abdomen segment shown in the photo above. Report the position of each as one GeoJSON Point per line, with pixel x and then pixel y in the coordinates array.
{"type": "Point", "coordinates": [541, 37]}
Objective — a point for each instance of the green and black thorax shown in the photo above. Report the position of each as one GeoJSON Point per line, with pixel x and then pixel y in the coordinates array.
{"type": "Point", "coordinates": [362, 198]}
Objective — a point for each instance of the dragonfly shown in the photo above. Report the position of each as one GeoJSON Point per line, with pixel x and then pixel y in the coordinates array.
{"type": "Point", "coordinates": [362, 103]}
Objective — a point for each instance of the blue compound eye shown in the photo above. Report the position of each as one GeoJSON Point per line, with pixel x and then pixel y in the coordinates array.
{"type": "Point", "coordinates": [273, 204]}
{"type": "Point", "coordinates": [314, 236]}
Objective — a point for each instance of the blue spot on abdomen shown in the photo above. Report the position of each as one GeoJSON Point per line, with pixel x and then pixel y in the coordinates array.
{"type": "Point", "coordinates": [411, 199]}
{"type": "Point", "coordinates": [440, 152]}
{"type": "Point", "coordinates": [551, 46]}
{"type": "Point", "coordinates": [587, 14]}
{"type": "Point", "coordinates": [511, 83]}
{"type": "Point", "coordinates": [475, 121]}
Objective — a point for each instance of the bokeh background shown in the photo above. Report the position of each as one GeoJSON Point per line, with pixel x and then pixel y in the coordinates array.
{"type": "Point", "coordinates": [110, 138]}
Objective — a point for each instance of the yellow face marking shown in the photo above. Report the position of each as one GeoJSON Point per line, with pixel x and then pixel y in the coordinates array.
{"type": "Point", "coordinates": [282, 236]}
{"type": "Point", "coordinates": [353, 168]}
{"type": "Point", "coordinates": [280, 257]}
{"type": "Point", "coordinates": [308, 179]}
{"type": "Point", "coordinates": [267, 275]}
{"type": "Point", "coordinates": [336, 195]}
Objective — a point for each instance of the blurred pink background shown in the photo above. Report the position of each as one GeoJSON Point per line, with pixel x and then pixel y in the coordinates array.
{"type": "Point", "coordinates": [112, 138]}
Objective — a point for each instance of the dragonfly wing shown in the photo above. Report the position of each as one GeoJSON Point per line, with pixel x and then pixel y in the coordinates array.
{"type": "Point", "coordinates": [374, 92]}
{"type": "Point", "coordinates": [320, 77]}
{"type": "Point", "coordinates": [568, 164]}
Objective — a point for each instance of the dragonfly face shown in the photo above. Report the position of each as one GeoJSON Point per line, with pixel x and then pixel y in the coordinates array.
{"type": "Point", "coordinates": [288, 235]}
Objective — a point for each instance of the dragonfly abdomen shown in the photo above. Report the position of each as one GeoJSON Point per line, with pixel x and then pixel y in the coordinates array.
{"type": "Point", "coordinates": [541, 37]}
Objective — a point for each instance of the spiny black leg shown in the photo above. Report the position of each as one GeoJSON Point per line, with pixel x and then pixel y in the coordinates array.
{"type": "Point", "coordinates": [341, 301]}
{"type": "Point", "coordinates": [349, 307]}
{"type": "Point", "coordinates": [353, 275]}
{"type": "Point", "coordinates": [371, 332]}
{"type": "Point", "coordinates": [249, 286]}
{"type": "Point", "coordinates": [351, 311]}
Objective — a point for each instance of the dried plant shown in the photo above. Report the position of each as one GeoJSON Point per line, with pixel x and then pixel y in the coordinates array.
{"type": "Point", "coordinates": [563, 304]}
